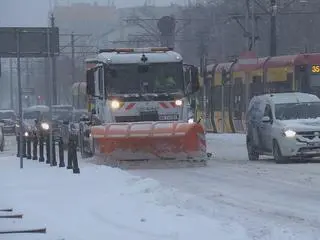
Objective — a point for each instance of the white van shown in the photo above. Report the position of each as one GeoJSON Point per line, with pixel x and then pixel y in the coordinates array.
{"type": "Point", "coordinates": [283, 125]}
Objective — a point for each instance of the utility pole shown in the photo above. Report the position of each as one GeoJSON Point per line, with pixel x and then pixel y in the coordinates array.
{"type": "Point", "coordinates": [253, 25]}
{"type": "Point", "coordinates": [27, 80]}
{"type": "Point", "coordinates": [11, 83]}
{"type": "Point", "coordinates": [73, 68]}
{"type": "Point", "coordinates": [54, 67]}
{"type": "Point", "coordinates": [273, 28]}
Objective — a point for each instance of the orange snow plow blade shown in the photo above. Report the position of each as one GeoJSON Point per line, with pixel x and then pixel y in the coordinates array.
{"type": "Point", "coordinates": [150, 141]}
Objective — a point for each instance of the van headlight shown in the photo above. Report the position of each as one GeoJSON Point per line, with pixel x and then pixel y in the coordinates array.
{"type": "Point", "coordinates": [45, 126]}
{"type": "Point", "coordinates": [178, 102]}
{"type": "Point", "coordinates": [289, 133]}
{"type": "Point", "coordinates": [115, 104]}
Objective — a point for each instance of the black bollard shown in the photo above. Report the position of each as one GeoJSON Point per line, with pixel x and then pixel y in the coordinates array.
{"type": "Point", "coordinates": [28, 139]}
{"type": "Point", "coordinates": [18, 145]}
{"type": "Point", "coordinates": [41, 149]}
{"type": "Point", "coordinates": [61, 153]}
{"type": "Point", "coordinates": [35, 147]}
{"type": "Point", "coordinates": [54, 159]}
{"type": "Point", "coordinates": [69, 163]}
{"type": "Point", "coordinates": [75, 164]}
{"type": "Point", "coordinates": [48, 149]}
{"type": "Point", "coordinates": [24, 147]}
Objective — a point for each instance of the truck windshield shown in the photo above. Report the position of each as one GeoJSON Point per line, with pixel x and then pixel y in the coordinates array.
{"type": "Point", "coordinates": [290, 111]}
{"type": "Point", "coordinates": [156, 78]}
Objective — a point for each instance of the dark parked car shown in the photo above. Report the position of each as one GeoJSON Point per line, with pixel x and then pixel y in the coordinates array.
{"type": "Point", "coordinates": [8, 118]}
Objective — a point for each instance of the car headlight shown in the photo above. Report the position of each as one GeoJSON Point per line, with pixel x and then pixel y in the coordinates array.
{"type": "Point", "coordinates": [45, 126]}
{"type": "Point", "coordinates": [115, 104]}
{"type": "Point", "coordinates": [178, 102]}
{"type": "Point", "coordinates": [190, 120]}
{"type": "Point", "coordinates": [290, 133]}
{"type": "Point", "coordinates": [26, 134]}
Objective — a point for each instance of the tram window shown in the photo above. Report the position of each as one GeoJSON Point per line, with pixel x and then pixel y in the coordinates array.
{"type": "Point", "coordinates": [238, 103]}
{"type": "Point", "coordinates": [274, 87]}
{"type": "Point", "coordinates": [256, 86]}
{"type": "Point", "coordinates": [290, 77]}
{"type": "Point", "coordinates": [227, 94]}
{"type": "Point", "coordinates": [217, 98]}
{"type": "Point", "coordinates": [314, 81]}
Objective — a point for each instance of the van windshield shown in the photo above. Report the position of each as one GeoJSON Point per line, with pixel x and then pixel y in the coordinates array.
{"type": "Point", "coordinates": [289, 111]}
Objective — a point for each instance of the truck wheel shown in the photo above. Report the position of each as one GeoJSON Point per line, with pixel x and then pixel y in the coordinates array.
{"type": "Point", "coordinates": [252, 153]}
{"type": "Point", "coordinates": [279, 159]}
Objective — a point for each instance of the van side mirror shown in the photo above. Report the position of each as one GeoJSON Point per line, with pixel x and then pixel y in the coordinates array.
{"type": "Point", "coordinates": [195, 85]}
{"type": "Point", "coordinates": [266, 119]}
{"type": "Point", "coordinates": [90, 82]}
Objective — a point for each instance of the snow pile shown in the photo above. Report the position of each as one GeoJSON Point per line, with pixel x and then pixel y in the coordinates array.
{"type": "Point", "coordinates": [100, 203]}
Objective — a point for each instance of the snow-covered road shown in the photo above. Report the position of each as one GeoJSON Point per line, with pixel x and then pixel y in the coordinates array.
{"type": "Point", "coordinates": [231, 198]}
{"type": "Point", "coordinates": [271, 201]}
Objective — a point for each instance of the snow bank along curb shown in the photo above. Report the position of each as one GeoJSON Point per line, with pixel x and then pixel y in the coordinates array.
{"type": "Point", "coordinates": [109, 199]}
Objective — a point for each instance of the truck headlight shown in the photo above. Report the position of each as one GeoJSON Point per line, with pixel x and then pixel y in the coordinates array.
{"type": "Point", "coordinates": [289, 133]}
{"type": "Point", "coordinates": [178, 102]}
{"type": "Point", "coordinates": [115, 104]}
{"type": "Point", "coordinates": [45, 126]}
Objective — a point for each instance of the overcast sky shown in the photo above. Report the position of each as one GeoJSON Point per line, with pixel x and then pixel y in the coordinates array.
{"type": "Point", "coordinates": [35, 12]}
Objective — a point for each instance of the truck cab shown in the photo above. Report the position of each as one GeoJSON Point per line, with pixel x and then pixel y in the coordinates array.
{"type": "Point", "coordinates": [144, 84]}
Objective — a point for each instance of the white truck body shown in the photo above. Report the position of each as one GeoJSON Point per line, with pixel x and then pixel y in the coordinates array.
{"type": "Point", "coordinates": [135, 106]}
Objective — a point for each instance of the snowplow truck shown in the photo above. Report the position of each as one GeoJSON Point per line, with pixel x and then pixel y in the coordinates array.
{"type": "Point", "coordinates": [138, 99]}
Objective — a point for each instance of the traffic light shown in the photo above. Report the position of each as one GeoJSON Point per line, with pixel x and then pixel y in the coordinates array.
{"type": "Point", "coordinates": [167, 26]}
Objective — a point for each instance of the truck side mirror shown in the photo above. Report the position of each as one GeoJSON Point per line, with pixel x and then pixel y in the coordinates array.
{"type": "Point", "coordinates": [195, 85]}
{"type": "Point", "coordinates": [193, 104]}
{"type": "Point", "coordinates": [90, 82]}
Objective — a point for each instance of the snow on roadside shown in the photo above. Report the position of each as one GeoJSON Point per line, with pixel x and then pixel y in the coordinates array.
{"type": "Point", "coordinates": [101, 202]}
{"type": "Point", "coordinates": [229, 147]}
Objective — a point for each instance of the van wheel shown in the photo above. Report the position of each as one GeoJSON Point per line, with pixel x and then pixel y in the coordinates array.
{"type": "Point", "coordinates": [277, 154]}
{"type": "Point", "coordinates": [252, 153]}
